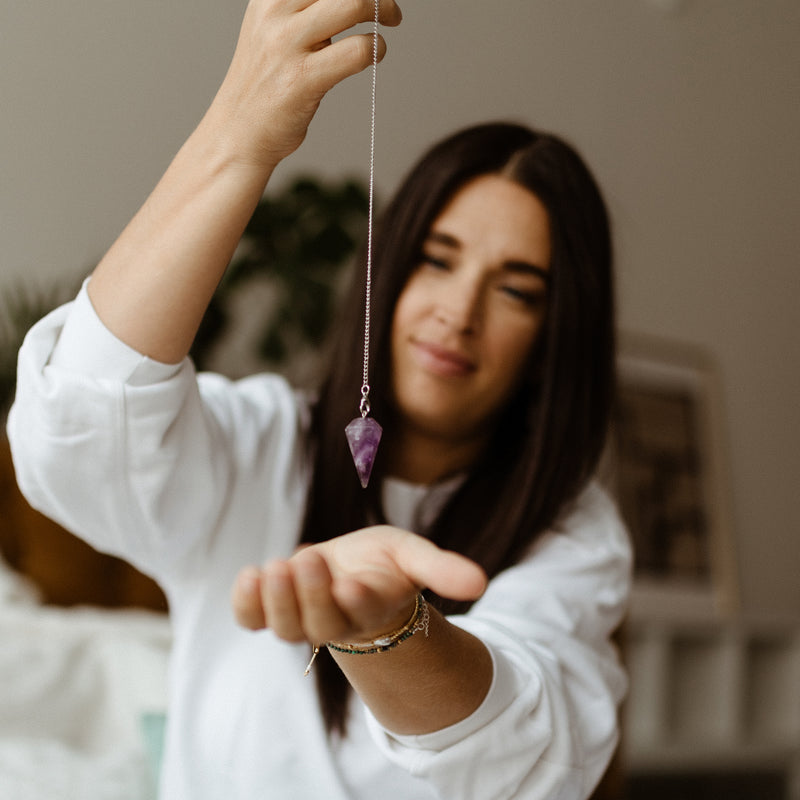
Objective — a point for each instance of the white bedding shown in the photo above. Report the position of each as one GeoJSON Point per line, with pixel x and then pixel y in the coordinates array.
{"type": "Point", "coordinates": [82, 698]}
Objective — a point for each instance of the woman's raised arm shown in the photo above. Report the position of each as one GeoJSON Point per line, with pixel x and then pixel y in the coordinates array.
{"type": "Point", "coordinates": [154, 284]}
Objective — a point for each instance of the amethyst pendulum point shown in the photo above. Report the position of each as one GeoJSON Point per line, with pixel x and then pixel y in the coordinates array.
{"type": "Point", "coordinates": [363, 436]}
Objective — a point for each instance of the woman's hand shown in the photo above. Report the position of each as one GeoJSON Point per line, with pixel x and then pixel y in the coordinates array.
{"type": "Point", "coordinates": [153, 286]}
{"type": "Point", "coordinates": [357, 587]}
{"type": "Point", "coordinates": [285, 62]}
{"type": "Point", "coordinates": [352, 588]}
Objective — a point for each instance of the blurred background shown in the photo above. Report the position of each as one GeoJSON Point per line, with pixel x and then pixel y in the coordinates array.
{"type": "Point", "coordinates": [689, 113]}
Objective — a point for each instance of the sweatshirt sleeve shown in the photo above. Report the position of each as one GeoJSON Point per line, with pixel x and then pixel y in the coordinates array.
{"type": "Point", "coordinates": [549, 724]}
{"type": "Point", "coordinates": [139, 458]}
{"type": "Point", "coordinates": [84, 346]}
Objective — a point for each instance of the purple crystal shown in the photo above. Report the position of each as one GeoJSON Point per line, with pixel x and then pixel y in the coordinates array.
{"type": "Point", "coordinates": [363, 435]}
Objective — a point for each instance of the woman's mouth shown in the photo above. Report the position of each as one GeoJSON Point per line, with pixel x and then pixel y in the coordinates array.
{"type": "Point", "coordinates": [443, 361]}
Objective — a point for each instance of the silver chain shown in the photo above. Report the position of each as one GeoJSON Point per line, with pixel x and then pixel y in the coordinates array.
{"type": "Point", "coordinates": [364, 407]}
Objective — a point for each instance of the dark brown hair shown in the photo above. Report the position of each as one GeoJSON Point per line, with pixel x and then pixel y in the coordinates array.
{"type": "Point", "coordinates": [550, 437]}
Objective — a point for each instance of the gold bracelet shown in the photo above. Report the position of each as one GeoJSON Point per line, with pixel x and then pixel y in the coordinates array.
{"type": "Point", "coordinates": [419, 621]}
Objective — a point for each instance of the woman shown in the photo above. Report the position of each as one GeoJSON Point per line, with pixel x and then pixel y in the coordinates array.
{"type": "Point", "coordinates": [492, 376]}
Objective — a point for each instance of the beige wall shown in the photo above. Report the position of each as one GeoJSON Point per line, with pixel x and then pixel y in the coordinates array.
{"type": "Point", "coordinates": [688, 111]}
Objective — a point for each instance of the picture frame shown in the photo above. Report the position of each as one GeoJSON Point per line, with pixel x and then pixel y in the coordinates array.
{"type": "Point", "coordinates": [669, 474]}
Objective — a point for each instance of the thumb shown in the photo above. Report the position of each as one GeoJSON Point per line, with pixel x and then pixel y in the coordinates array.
{"type": "Point", "coordinates": [445, 572]}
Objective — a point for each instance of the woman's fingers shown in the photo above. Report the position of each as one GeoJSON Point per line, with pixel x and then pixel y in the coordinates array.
{"type": "Point", "coordinates": [293, 598]}
{"type": "Point", "coordinates": [349, 55]}
{"type": "Point", "coordinates": [447, 573]}
{"type": "Point", "coordinates": [390, 13]}
{"type": "Point", "coordinates": [246, 599]}
{"type": "Point", "coordinates": [344, 58]}
{"type": "Point", "coordinates": [351, 586]}
{"type": "Point", "coordinates": [321, 618]}
{"type": "Point", "coordinates": [289, 55]}
{"type": "Point", "coordinates": [281, 606]}
{"type": "Point", "coordinates": [325, 19]}
{"type": "Point", "coordinates": [383, 553]}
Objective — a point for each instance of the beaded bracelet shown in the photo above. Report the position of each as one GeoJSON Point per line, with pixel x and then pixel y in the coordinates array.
{"type": "Point", "coordinates": [419, 621]}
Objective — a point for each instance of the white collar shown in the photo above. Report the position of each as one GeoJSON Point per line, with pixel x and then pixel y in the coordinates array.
{"type": "Point", "coordinates": [414, 506]}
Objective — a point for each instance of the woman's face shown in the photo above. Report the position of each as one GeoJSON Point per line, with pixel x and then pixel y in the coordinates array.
{"type": "Point", "coordinates": [468, 317]}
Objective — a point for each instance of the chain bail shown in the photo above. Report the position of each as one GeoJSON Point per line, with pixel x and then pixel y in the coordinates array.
{"type": "Point", "coordinates": [364, 406]}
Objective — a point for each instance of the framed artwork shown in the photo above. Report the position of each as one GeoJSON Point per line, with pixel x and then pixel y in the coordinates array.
{"type": "Point", "coordinates": [669, 475]}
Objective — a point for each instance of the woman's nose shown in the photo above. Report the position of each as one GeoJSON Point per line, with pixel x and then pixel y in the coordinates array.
{"type": "Point", "coordinates": [460, 305]}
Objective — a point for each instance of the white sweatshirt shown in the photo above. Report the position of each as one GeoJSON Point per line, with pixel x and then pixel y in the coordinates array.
{"type": "Point", "coordinates": [191, 477]}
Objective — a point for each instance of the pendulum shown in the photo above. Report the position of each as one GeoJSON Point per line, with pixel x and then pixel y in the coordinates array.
{"type": "Point", "coordinates": [364, 433]}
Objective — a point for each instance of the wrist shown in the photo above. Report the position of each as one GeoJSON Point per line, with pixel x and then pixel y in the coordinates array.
{"type": "Point", "coordinates": [227, 142]}
{"type": "Point", "coordinates": [254, 133]}
{"type": "Point", "coordinates": [418, 622]}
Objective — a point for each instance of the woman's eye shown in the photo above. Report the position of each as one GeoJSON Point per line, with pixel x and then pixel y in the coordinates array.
{"type": "Point", "coordinates": [433, 262]}
{"type": "Point", "coordinates": [532, 298]}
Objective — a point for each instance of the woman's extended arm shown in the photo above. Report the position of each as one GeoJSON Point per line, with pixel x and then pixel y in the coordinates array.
{"type": "Point", "coordinates": [541, 674]}
{"type": "Point", "coordinates": [152, 287]}
{"type": "Point", "coordinates": [359, 586]}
